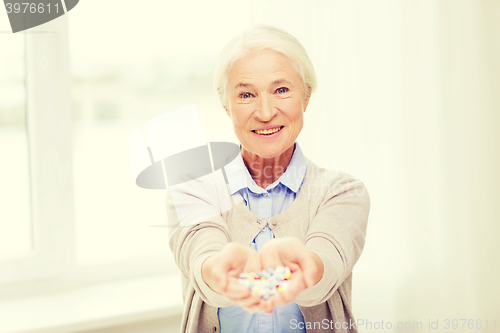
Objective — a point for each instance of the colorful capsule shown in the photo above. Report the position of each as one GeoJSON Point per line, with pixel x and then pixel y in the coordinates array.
{"type": "Point", "coordinates": [267, 283]}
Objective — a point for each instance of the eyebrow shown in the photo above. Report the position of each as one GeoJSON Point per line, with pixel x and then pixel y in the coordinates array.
{"type": "Point", "coordinates": [243, 85]}
{"type": "Point", "coordinates": [279, 81]}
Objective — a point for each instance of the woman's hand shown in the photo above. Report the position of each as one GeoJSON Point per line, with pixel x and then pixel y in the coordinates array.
{"type": "Point", "coordinates": [305, 265]}
{"type": "Point", "coordinates": [221, 271]}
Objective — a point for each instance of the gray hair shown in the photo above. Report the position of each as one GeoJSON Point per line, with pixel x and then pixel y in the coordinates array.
{"type": "Point", "coordinates": [259, 38]}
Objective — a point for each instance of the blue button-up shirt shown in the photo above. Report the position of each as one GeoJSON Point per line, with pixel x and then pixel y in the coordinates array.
{"type": "Point", "coordinates": [265, 203]}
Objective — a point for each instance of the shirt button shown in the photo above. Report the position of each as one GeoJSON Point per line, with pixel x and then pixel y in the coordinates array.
{"type": "Point", "coordinates": [265, 195]}
{"type": "Point", "coordinates": [274, 223]}
{"type": "Point", "coordinates": [264, 229]}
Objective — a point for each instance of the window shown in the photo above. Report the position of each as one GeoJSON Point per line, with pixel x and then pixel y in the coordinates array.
{"type": "Point", "coordinates": [15, 212]}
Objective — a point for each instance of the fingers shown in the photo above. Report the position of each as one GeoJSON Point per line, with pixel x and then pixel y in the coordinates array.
{"type": "Point", "coordinates": [251, 304]}
{"type": "Point", "coordinates": [242, 297]}
{"type": "Point", "coordinates": [253, 262]}
{"type": "Point", "coordinates": [270, 254]}
{"type": "Point", "coordinates": [316, 270]}
{"type": "Point", "coordinates": [213, 273]}
{"type": "Point", "coordinates": [254, 308]}
{"type": "Point", "coordinates": [250, 301]}
{"type": "Point", "coordinates": [291, 252]}
{"type": "Point", "coordinates": [270, 257]}
{"type": "Point", "coordinates": [295, 286]}
{"type": "Point", "coordinates": [235, 291]}
{"type": "Point", "coordinates": [311, 266]}
{"type": "Point", "coordinates": [268, 305]}
{"type": "Point", "coordinates": [219, 278]}
{"type": "Point", "coordinates": [241, 258]}
{"type": "Point", "coordinates": [283, 251]}
{"type": "Point", "coordinates": [230, 262]}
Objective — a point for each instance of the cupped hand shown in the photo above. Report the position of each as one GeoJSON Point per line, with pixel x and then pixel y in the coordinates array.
{"type": "Point", "coordinates": [305, 265]}
{"type": "Point", "coordinates": [221, 273]}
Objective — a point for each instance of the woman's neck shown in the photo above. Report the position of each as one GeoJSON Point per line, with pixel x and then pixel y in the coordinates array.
{"type": "Point", "coordinates": [266, 171]}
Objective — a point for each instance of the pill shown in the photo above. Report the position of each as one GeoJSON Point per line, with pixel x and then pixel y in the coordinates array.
{"type": "Point", "coordinates": [266, 283]}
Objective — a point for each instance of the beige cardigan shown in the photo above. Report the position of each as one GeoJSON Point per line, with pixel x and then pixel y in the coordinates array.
{"type": "Point", "coordinates": [329, 215]}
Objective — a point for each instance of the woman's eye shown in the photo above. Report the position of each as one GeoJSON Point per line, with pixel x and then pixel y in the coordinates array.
{"type": "Point", "coordinates": [246, 95]}
{"type": "Point", "coordinates": [282, 90]}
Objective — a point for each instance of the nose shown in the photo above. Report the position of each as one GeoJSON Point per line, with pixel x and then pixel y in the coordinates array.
{"type": "Point", "coordinates": [265, 110]}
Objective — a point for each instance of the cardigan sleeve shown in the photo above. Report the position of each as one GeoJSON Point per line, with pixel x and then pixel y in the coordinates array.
{"type": "Point", "coordinates": [197, 231]}
{"type": "Point", "coordinates": [337, 235]}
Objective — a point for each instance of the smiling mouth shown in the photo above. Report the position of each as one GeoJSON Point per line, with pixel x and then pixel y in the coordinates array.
{"type": "Point", "coordinates": [269, 131]}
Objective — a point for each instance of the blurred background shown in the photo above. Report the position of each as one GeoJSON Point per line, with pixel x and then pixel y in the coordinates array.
{"type": "Point", "coordinates": [408, 101]}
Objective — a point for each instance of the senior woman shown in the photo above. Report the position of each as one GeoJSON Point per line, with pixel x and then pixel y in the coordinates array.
{"type": "Point", "coordinates": [291, 212]}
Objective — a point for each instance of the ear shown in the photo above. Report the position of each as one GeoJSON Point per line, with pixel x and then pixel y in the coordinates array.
{"type": "Point", "coordinates": [227, 111]}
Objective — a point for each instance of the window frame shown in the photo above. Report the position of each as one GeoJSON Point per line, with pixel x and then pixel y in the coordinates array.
{"type": "Point", "coordinates": [52, 265]}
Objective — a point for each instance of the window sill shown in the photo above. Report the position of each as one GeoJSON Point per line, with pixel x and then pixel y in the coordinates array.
{"type": "Point", "coordinates": [95, 306]}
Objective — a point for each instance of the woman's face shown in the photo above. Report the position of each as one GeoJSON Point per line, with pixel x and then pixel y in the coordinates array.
{"type": "Point", "coordinates": [266, 100]}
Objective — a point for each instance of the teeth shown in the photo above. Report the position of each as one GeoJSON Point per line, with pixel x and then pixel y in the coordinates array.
{"type": "Point", "coordinates": [270, 131]}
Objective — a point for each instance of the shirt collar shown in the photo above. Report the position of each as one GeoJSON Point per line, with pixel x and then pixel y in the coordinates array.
{"type": "Point", "coordinates": [239, 177]}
